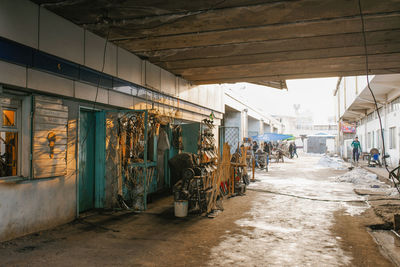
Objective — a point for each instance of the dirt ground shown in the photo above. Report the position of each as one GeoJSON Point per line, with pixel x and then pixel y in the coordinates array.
{"type": "Point", "coordinates": [301, 223]}
{"type": "Point", "coordinates": [152, 238]}
{"type": "Point", "coordinates": [356, 240]}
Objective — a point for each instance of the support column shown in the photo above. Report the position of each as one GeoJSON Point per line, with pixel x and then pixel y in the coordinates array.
{"type": "Point", "coordinates": [385, 126]}
{"type": "Point", "coordinates": [366, 132]}
{"type": "Point", "coordinates": [261, 131]}
{"type": "Point", "coordinates": [244, 124]}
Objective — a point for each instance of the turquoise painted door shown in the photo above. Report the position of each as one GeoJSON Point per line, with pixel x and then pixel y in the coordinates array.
{"type": "Point", "coordinates": [87, 126]}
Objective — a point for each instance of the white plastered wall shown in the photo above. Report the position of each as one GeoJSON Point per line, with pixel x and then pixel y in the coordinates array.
{"type": "Point", "coordinates": [34, 205]}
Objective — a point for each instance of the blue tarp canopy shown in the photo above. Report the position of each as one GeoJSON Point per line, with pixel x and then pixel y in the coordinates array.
{"type": "Point", "coordinates": [271, 137]}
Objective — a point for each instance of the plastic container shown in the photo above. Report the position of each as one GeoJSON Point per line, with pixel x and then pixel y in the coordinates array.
{"type": "Point", "coordinates": [181, 208]}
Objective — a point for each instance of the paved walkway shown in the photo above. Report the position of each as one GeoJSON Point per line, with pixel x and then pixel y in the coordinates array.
{"type": "Point", "coordinates": [297, 214]}
{"type": "Point", "coordinates": [381, 172]}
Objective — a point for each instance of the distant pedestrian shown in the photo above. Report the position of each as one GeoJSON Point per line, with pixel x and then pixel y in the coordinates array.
{"type": "Point", "coordinates": [266, 148]}
{"type": "Point", "coordinates": [270, 147]}
{"type": "Point", "coordinates": [255, 155]}
{"type": "Point", "coordinates": [255, 146]}
{"type": "Point", "coordinates": [295, 150]}
{"type": "Point", "coordinates": [356, 149]}
{"type": "Point", "coordinates": [291, 150]}
{"type": "Point", "coordinates": [267, 151]}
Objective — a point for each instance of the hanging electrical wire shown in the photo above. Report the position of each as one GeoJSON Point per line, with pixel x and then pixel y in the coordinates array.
{"type": "Point", "coordinates": [93, 122]}
{"type": "Point", "coordinates": [391, 176]}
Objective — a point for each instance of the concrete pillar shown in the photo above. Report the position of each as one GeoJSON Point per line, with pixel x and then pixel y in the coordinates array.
{"type": "Point", "coordinates": [366, 133]}
{"type": "Point", "coordinates": [267, 128]}
{"type": "Point", "coordinates": [261, 127]}
{"type": "Point", "coordinates": [253, 126]}
{"type": "Point", "coordinates": [244, 124]}
{"type": "Point", "coordinates": [385, 126]}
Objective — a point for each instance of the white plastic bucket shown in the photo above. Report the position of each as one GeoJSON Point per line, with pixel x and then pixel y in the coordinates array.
{"type": "Point", "coordinates": [181, 208]}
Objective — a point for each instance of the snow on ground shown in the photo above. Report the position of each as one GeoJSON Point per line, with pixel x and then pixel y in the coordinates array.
{"type": "Point", "coordinates": [331, 162]}
{"type": "Point", "coordinates": [293, 211]}
{"type": "Point", "coordinates": [363, 179]}
{"type": "Point", "coordinates": [359, 176]}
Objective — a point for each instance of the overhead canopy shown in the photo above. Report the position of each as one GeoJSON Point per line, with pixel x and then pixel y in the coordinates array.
{"type": "Point", "coordinates": [259, 41]}
{"type": "Point", "coordinates": [267, 137]}
{"type": "Point", "coordinates": [292, 137]}
{"type": "Point", "coordinates": [383, 87]}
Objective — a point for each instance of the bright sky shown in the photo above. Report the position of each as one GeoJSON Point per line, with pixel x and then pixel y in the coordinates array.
{"type": "Point", "coordinates": [313, 95]}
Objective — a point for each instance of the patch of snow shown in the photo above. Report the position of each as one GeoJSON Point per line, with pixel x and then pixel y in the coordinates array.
{"type": "Point", "coordinates": [363, 179]}
{"type": "Point", "coordinates": [331, 162]}
{"type": "Point", "coordinates": [359, 176]}
{"type": "Point", "coordinates": [393, 192]}
{"type": "Point", "coordinates": [352, 209]}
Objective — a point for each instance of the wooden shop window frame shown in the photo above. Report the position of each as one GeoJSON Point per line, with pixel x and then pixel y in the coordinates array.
{"type": "Point", "coordinates": [14, 105]}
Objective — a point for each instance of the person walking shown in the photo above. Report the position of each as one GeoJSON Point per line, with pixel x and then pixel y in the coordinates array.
{"type": "Point", "coordinates": [356, 149]}
{"type": "Point", "coordinates": [255, 155]}
{"type": "Point", "coordinates": [291, 150]}
{"type": "Point", "coordinates": [295, 150]}
{"type": "Point", "coordinates": [267, 151]}
{"type": "Point", "coordinates": [255, 146]}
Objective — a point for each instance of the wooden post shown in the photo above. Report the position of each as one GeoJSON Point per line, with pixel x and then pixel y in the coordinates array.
{"type": "Point", "coordinates": [396, 222]}
{"type": "Point", "coordinates": [253, 167]}
{"type": "Point", "coordinates": [231, 184]}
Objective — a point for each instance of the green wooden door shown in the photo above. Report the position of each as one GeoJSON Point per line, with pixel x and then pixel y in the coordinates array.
{"type": "Point", "coordinates": [87, 126]}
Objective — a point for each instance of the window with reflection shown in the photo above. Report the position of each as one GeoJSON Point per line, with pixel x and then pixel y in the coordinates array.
{"type": "Point", "coordinates": [8, 117]}
{"type": "Point", "coordinates": [9, 130]}
{"type": "Point", "coordinates": [8, 153]}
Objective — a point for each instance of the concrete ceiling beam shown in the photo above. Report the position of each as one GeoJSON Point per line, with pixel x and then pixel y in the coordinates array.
{"type": "Point", "coordinates": [355, 112]}
{"type": "Point", "coordinates": [360, 111]}
{"type": "Point", "coordinates": [380, 101]}
{"type": "Point", "coordinates": [263, 33]}
{"type": "Point", "coordinates": [295, 66]}
{"type": "Point", "coordinates": [169, 17]}
{"type": "Point", "coordinates": [286, 45]}
{"type": "Point", "coordinates": [247, 40]}
{"type": "Point", "coordinates": [215, 19]}
{"type": "Point", "coordinates": [315, 74]}
{"type": "Point", "coordinates": [131, 11]}
{"type": "Point", "coordinates": [310, 54]}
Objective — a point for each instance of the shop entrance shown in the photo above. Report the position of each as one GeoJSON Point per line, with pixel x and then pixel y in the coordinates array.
{"type": "Point", "coordinates": [87, 126]}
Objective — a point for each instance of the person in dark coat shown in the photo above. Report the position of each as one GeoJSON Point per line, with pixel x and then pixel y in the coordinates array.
{"type": "Point", "coordinates": [267, 150]}
{"type": "Point", "coordinates": [255, 148]}
{"type": "Point", "coordinates": [291, 150]}
{"type": "Point", "coordinates": [295, 150]}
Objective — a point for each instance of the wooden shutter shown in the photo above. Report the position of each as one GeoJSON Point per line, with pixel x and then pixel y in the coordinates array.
{"type": "Point", "coordinates": [50, 124]}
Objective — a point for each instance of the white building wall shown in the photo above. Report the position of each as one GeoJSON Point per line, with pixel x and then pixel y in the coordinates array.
{"type": "Point", "coordinates": [244, 128]}
{"type": "Point", "coordinates": [254, 126]}
{"type": "Point", "coordinates": [351, 90]}
{"type": "Point", "coordinates": [19, 21]}
{"type": "Point", "coordinates": [393, 120]}
{"type": "Point", "coordinates": [373, 128]}
{"type": "Point", "coordinates": [342, 97]}
{"type": "Point", "coordinates": [33, 205]}
{"type": "Point", "coordinates": [267, 128]}
{"type": "Point", "coordinates": [24, 22]}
